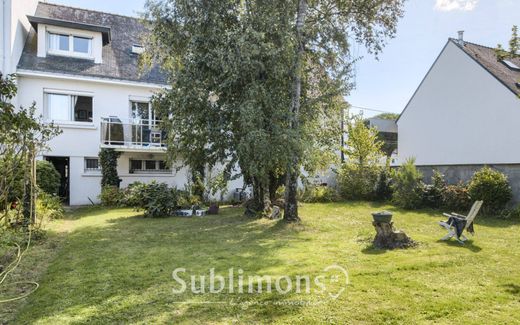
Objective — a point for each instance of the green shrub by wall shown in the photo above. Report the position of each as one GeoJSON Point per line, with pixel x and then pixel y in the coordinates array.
{"type": "Point", "coordinates": [492, 187]}
{"type": "Point", "coordinates": [48, 178]}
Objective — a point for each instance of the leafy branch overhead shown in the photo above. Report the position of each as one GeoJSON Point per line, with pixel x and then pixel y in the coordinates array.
{"type": "Point", "coordinates": [258, 86]}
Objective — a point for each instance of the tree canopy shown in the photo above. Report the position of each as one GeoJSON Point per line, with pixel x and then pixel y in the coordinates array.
{"type": "Point", "coordinates": [258, 85]}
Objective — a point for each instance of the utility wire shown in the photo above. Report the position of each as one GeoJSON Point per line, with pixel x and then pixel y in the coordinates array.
{"type": "Point", "coordinates": [370, 109]}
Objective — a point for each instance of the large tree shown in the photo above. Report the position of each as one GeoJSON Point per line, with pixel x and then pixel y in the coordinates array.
{"type": "Point", "coordinates": [259, 84]}
{"type": "Point", "coordinates": [323, 33]}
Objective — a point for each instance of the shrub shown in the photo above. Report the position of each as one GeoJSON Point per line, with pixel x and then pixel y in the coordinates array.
{"type": "Point", "coordinates": [187, 200]}
{"type": "Point", "coordinates": [319, 194]}
{"type": "Point", "coordinates": [108, 162]}
{"type": "Point", "coordinates": [408, 186]}
{"type": "Point", "coordinates": [156, 199]}
{"type": "Point", "coordinates": [432, 193]}
{"type": "Point", "coordinates": [492, 187]}
{"type": "Point", "coordinates": [49, 206]}
{"type": "Point", "coordinates": [111, 196]}
{"type": "Point", "coordinates": [47, 177]}
{"type": "Point", "coordinates": [513, 213]}
{"type": "Point", "coordinates": [456, 198]}
{"type": "Point", "coordinates": [356, 182]}
{"type": "Point", "coordinates": [383, 189]}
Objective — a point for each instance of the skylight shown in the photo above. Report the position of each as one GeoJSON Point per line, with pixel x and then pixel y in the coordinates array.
{"type": "Point", "coordinates": [137, 49]}
{"type": "Point", "coordinates": [511, 65]}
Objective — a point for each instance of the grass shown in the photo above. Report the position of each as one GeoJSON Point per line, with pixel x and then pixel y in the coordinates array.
{"type": "Point", "coordinates": [113, 266]}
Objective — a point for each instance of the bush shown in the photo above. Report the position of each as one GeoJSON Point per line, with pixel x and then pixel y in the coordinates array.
{"type": "Point", "coordinates": [513, 213]}
{"type": "Point", "coordinates": [111, 196]}
{"type": "Point", "coordinates": [319, 194]}
{"type": "Point", "coordinates": [47, 177]}
{"type": "Point", "coordinates": [49, 206]}
{"type": "Point", "coordinates": [357, 183]}
{"type": "Point", "coordinates": [108, 162]}
{"type": "Point", "coordinates": [384, 190]}
{"type": "Point", "coordinates": [432, 193]}
{"type": "Point", "coordinates": [156, 199]}
{"type": "Point", "coordinates": [408, 186]}
{"type": "Point", "coordinates": [456, 198]}
{"type": "Point", "coordinates": [492, 187]}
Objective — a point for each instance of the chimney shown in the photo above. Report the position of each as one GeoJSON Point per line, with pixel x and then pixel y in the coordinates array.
{"type": "Point", "coordinates": [461, 37]}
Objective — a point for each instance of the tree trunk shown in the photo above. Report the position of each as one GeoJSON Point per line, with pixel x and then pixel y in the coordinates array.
{"type": "Point", "coordinates": [291, 202]}
{"type": "Point", "coordinates": [260, 204]}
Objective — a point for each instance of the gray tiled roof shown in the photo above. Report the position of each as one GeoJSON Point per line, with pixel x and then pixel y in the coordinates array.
{"type": "Point", "coordinates": [118, 60]}
{"type": "Point", "coordinates": [487, 58]}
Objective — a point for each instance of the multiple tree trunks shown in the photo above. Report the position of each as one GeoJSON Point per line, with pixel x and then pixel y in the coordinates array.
{"type": "Point", "coordinates": [389, 238]}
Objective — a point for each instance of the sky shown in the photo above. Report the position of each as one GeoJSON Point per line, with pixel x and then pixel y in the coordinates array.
{"type": "Point", "coordinates": [388, 83]}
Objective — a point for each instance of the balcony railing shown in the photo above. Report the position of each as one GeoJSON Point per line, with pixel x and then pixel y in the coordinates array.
{"type": "Point", "coordinates": [132, 133]}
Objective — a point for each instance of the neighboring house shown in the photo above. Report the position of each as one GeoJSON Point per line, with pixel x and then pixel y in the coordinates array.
{"type": "Point", "coordinates": [81, 68]}
{"type": "Point", "coordinates": [387, 133]}
{"type": "Point", "coordinates": [464, 115]}
{"type": "Point", "coordinates": [14, 27]}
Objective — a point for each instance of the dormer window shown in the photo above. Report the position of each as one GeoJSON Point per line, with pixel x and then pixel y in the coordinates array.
{"type": "Point", "coordinates": [69, 45]}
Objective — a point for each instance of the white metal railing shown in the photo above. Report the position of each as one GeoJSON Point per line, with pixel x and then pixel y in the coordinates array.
{"type": "Point", "coordinates": [131, 133]}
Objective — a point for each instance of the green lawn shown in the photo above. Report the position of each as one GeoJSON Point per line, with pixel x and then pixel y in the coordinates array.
{"type": "Point", "coordinates": [113, 266]}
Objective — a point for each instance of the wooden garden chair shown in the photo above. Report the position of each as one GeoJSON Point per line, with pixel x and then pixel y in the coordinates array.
{"type": "Point", "coordinates": [456, 220]}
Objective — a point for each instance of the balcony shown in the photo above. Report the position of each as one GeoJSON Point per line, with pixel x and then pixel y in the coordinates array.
{"type": "Point", "coordinates": [138, 135]}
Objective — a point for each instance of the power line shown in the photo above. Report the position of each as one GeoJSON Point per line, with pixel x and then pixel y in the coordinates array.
{"type": "Point", "coordinates": [370, 109]}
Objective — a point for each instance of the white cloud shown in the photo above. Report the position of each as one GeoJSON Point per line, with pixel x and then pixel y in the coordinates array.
{"type": "Point", "coordinates": [450, 5]}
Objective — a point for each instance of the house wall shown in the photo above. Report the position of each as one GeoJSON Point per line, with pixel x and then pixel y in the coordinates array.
{"type": "Point", "coordinates": [14, 30]}
{"type": "Point", "coordinates": [81, 139]}
{"type": "Point", "coordinates": [460, 115]}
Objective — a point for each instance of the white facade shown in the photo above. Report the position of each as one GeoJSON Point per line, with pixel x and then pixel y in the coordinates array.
{"type": "Point", "coordinates": [80, 140]}
{"type": "Point", "coordinates": [460, 114]}
{"type": "Point", "coordinates": [92, 112]}
{"type": "Point", "coordinates": [14, 29]}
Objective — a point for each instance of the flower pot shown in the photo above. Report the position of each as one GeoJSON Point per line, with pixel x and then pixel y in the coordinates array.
{"type": "Point", "coordinates": [382, 216]}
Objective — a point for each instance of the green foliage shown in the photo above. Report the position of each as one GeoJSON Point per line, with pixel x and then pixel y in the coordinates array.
{"type": "Point", "coordinates": [362, 146]}
{"type": "Point", "coordinates": [513, 214]}
{"type": "Point", "coordinates": [456, 198]}
{"type": "Point", "coordinates": [48, 178]}
{"type": "Point", "coordinates": [387, 116]}
{"type": "Point", "coordinates": [356, 182]}
{"type": "Point", "coordinates": [384, 188]}
{"type": "Point", "coordinates": [49, 206]}
{"type": "Point", "coordinates": [22, 135]}
{"type": "Point", "coordinates": [408, 186]}
{"type": "Point", "coordinates": [251, 90]}
{"type": "Point", "coordinates": [217, 185]}
{"type": "Point", "coordinates": [319, 194]}
{"type": "Point", "coordinates": [108, 162]}
{"type": "Point", "coordinates": [514, 46]}
{"type": "Point", "coordinates": [492, 187]}
{"type": "Point", "coordinates": [111, 196]}
{"type": "Point", "coordinates": [432, 193]}
{"type": "Point", "coordinates": [358, 177]}
{"type": "Point", "coordinates": [156, 199]}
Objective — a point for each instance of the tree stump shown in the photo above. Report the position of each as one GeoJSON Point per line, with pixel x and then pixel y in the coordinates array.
{"type": "Point", "coordinates": [389, 238]}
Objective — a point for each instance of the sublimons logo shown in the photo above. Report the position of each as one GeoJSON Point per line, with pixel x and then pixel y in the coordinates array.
{"type": "Point", "coordinates": [333, 280]}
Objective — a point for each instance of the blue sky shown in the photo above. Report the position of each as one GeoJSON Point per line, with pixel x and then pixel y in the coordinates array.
{"type": "Point", "coordinates": [388, 84]}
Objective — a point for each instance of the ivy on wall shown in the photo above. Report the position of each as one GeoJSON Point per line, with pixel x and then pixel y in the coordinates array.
{"type": "Point", "coordinates": [108, 162]}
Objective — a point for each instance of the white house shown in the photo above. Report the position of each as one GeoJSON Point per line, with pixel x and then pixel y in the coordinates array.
{"type": "Point", "coordinates": [465, 114]}
{"type": "Point", "coordinates": [81, 68]}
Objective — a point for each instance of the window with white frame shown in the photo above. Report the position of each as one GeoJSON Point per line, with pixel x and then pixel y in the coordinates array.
{"type": "Point", "coordinates": [65, 107]}
{"type": "Point", "coordinates": [71, 45]}
{"type": "Point", "coordinates": [92, 164]}
{"type": "Point", "coordinates": [148, 166]}
{"type": "Point", "coordinates": [143, 113]}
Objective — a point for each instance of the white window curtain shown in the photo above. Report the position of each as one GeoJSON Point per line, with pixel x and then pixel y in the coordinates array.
{"type": "Point", "coordinates": [58, 107]}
